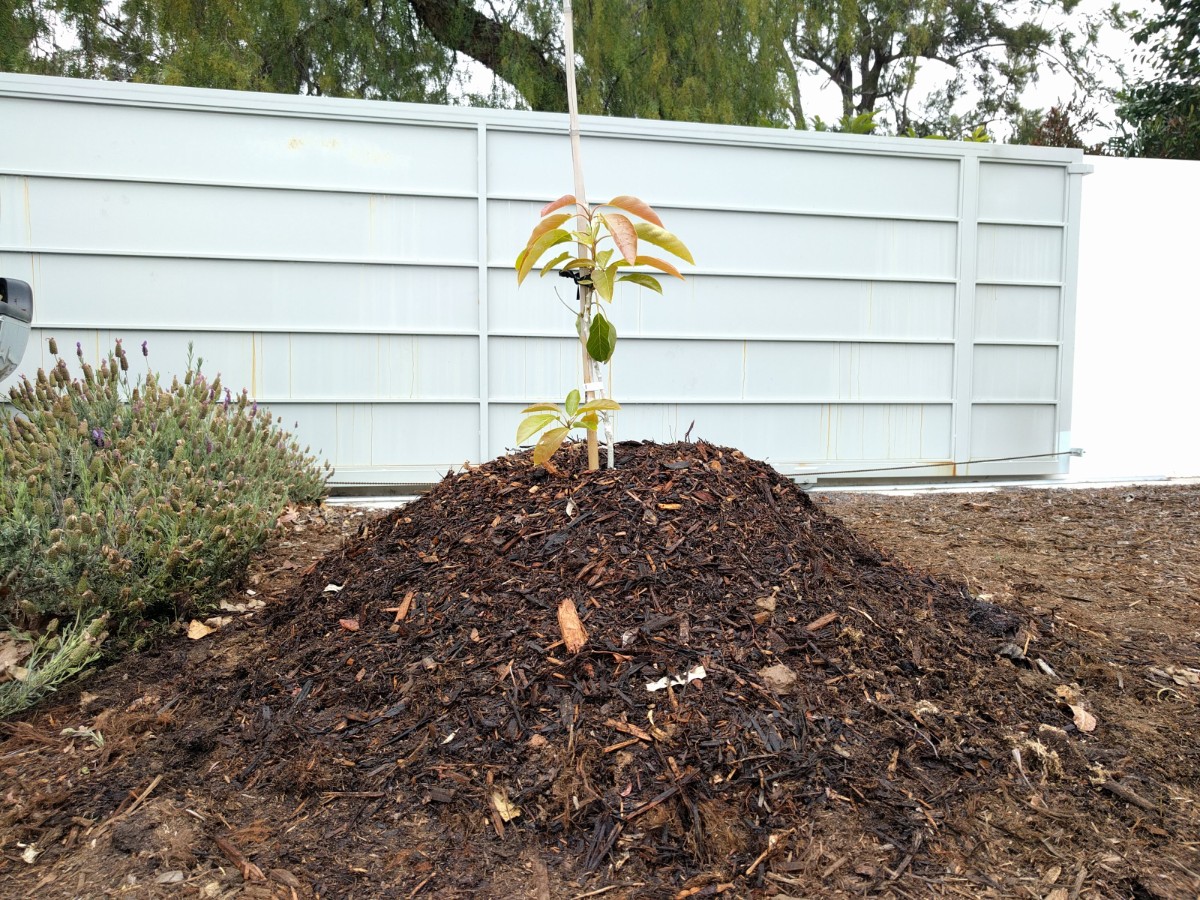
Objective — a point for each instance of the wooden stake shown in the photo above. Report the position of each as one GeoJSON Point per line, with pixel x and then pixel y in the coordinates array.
{"type": "Point", "coordinates": [584, 291]}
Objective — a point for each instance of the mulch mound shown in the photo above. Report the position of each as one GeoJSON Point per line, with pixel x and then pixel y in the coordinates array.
{"type": "Point", "coordinates": [835, 695]}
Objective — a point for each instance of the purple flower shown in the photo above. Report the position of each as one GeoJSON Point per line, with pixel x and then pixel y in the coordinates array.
{"type": "Point", "coordinates": [79, 349]}
{"type": "Point", "coordinates": [208, 445]}
{"type": "Point", "coordinates": [98, 437]}
{"type": "Point", "coordinates": [145, 348]}
{"type": "Point", "coordinates": [228, 398]}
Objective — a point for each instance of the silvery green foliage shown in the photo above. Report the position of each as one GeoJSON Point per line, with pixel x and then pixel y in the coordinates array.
{"type": "Point", "coordinates": [143, 501]}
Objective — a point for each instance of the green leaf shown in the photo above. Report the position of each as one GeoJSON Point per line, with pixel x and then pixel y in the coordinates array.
{"type": "Point", "coordinates": [646, 281]}
{"type": "Point", "coordinates": [660, 237]}
{"type": "Point", "coordinates": [590, 421]}
{"type": "Point", "coordinates": [532, 426]}
{"type": "Point", "coordinates": [546, 225]}
{"type": "Point", "coordinates": [549, 445]}
{"type": "Point", "coordinates": [535, 251]}
{"type": "Point", "coordinates": [564, 200]}
{"type": "Point", "coordinates": [572, 403]}
{"type": "Point", "coordinates": [599, 404]}
{"type": "Point", "coordinates": [623, 233]}
{"type": "Point", "coordinates": [579, 263]}
{"type": "Point", "coordinates": [602, 339]}
{"type": "Point", "coordinates": [541, 407]}
{"type": "Point", "coordinates": [661, 264]}
{"type": "Point", "coordinates": [583, 237]}
{"type": "Point", "coordinates": [639, 208]}
{"type": "Point", "coordinates": [547, 268]}
{"type": "Point", "coordinates": [603, 281]}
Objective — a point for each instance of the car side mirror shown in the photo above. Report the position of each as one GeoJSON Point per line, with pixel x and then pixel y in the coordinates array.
{"type": "Point", "coordinates": [16, 314]}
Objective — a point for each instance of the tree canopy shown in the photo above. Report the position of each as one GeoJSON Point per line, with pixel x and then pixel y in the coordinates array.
{"type": "Point", "coordinates": [753, 62]}
{"type": "Point", "coordinates": [1162, 116]}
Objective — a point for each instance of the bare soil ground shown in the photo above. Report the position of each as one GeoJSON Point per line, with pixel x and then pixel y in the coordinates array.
{"type": "Point", "coordinates": [980, 695]}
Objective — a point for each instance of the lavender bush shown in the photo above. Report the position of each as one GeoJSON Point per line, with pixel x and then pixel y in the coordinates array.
{"type": "Point", "coordinates": [136, 501]}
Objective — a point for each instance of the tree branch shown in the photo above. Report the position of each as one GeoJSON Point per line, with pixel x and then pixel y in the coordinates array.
{"type": "Point", "coordinates": [511, 54]}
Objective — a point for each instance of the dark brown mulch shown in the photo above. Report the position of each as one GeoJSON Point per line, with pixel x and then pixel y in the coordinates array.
{"type": "Point", "coordinates": [407, 720]}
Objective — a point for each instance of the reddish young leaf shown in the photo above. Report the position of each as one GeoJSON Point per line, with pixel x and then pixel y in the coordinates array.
{"type": "Point", "coordinates": [639, 208]}
{"type": "Point", "coordinates": [564, 200]}
{"type": "Point", "coordinates": [623, 234]}
{"type": "Point", "coordinates": [661, 264]}
{"type": "Point", "coordinates": [546, 225]}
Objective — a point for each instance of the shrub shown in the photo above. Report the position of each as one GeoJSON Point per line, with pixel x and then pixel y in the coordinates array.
{"type": "Point", "coordinates": [136, 502]}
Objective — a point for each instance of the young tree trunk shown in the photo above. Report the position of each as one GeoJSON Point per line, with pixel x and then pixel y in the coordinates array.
{"type": "Point", "coordinates": [585, 291]}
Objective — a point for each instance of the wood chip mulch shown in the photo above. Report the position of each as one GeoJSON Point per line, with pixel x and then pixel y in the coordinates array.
{"type": "Point", "coordinates": [682, 678]}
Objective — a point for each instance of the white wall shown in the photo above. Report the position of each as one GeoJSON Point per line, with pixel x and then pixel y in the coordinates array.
{"type": "Point", "coordinates": [858, 304]}
{"type": "Point", "coordinates": [1137, 356]}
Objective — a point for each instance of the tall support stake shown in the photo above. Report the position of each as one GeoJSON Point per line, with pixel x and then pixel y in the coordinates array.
{"type": "Point", "coordinates": [584, 291]}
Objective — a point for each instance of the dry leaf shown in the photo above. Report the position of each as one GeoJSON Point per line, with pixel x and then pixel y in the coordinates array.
{"type": "Point", "coordinates": [197, 630]}
{"type": "Point", "coordinates": [778, 678]}
{"type": "Point", "coordinates": [12, 654]}
{"type": "Point", "coordinates": [1184, 677]}
{"type": "Point", "coordinates": [283, 876]}
{"type": "Point", "coordinates": [1084, 720]}
{"type": "Point", "coordinates": [1058, 894]}
{"type": "Point", "coordinates": [573, 634]}
{"type": "Point", "coordinates": [332, 588]}
{"type": "Point", "coordinates": [1068, 693]}
{"type": "Point", "coordinates": [507, 811]}
{"type": "Point", "coordinates": [349, 624]}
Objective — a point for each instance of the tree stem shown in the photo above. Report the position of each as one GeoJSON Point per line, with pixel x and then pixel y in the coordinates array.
{"type": "Point", "coordinates": [585, 252]}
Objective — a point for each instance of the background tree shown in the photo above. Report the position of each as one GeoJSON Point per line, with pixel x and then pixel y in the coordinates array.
{"type": "Point", "coordinates": [747, 63]}
{"type": "Point", "coordinates": [1161, 117]}
{"type": "Point", "coordinates": [872, 52]}
{"type": "Point", "coordinates": [1060, 126]}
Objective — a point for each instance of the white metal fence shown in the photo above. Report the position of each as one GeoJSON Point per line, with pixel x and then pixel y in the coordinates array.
{"type": "Point", "coordinates": [859, 303]}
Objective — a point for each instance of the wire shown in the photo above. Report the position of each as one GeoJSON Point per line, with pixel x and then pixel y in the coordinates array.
{"type": "Point", "coordinates": [933, 465]}
{"type": "Point", "coordinates": [940, 465]}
